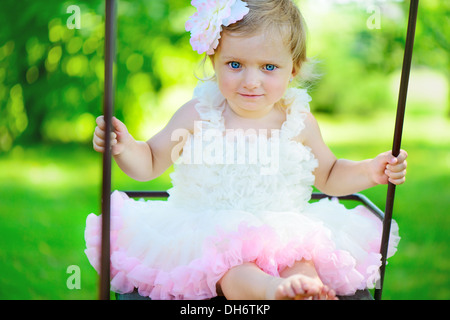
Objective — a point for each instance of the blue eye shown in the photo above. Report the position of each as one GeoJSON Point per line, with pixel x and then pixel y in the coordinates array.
{"type": "Point", "coordinates": [270, 67]}
{"type": "Point", "coordinates": [234, 65]}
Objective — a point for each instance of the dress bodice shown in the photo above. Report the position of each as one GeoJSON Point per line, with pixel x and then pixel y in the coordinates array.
{"type": "Point", "coordinates": [244, 170]}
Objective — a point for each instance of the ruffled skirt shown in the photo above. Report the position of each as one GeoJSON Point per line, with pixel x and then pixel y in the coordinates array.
{"type": "Point", "coordinates": [168, 252]}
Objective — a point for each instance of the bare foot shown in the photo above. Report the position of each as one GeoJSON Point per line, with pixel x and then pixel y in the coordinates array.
{"type": "Point", "coordinates": [248, 281]}
{"type": "Point", "coordinates": [299, 287]}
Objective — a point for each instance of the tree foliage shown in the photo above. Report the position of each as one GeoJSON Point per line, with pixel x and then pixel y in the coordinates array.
{"type": "Point", "coordinates": [51, 76]}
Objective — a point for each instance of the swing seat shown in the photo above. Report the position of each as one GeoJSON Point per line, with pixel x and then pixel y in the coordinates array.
{"type": "Point", "coordinates": [356, 198]}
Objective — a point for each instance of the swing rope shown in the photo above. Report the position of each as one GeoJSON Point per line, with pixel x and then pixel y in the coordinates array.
{"type": "Point", "coordinates": [108, 106]}
{"type": "Point", "coordinates": [409, 46]}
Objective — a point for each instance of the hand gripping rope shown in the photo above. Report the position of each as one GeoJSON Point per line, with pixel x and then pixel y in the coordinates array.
{"type": "Point", "coordinates": [414, 6]}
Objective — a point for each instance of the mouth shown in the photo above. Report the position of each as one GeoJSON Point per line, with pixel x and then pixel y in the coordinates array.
{"type": "Point", "coordinates": [250, 96]}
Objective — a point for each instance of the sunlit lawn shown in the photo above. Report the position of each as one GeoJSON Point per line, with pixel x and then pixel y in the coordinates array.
{"type": "Point", "coordinates": [46, 193]}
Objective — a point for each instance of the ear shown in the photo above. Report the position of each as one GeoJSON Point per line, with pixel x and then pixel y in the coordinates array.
{"type": "Point", "coordinates": [295, 70]}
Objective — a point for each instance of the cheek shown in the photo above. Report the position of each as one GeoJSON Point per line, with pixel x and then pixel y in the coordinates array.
{"type": "Point", "coordinates": [226, 82]}
{"type": "Point", "coordinates": [277, 86]}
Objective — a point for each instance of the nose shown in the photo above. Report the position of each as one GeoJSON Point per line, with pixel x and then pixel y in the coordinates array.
{"type": "Point", "coordinates": [251, 79]}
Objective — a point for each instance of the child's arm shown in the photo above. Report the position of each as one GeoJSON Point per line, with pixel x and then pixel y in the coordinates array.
{"type": "Point", "coordinates": [141, 160]}
{"type": "Point", "coordinates": [337, 177]}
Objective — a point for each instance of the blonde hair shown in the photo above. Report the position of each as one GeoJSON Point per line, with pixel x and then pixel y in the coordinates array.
{"type": "Point", "coordinates": [276, 18]}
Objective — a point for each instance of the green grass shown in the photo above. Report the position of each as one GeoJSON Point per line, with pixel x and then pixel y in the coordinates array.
{"type": "Point", "coordinates": [46, 192]}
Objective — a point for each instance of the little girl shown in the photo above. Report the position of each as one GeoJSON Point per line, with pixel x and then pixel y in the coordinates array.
{"type": "Point", "coordinates": [229, 227]}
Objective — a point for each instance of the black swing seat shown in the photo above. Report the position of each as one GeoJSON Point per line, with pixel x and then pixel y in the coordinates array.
{"type": "Point", "coordinates": [356, 197]}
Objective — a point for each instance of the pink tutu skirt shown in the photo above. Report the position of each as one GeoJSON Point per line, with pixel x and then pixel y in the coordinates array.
{"type": "Point", "coordinates": [168, 252]}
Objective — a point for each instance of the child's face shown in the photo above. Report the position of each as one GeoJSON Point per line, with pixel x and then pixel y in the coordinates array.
{"type": "Point", "coordinates": [253, 73]}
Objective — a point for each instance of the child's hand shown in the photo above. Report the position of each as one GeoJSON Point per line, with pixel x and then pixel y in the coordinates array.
{"type": "Point", "coordinates": [387, 168]}
{"type": "Point", "coordinates": [119, 137]}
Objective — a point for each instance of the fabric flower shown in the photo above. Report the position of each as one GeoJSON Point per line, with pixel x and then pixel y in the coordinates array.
{"type": "Point", "coordinates": [206, 24]}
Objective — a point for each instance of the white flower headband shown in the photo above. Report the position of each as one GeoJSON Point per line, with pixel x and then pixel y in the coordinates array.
{"type": "Point", "coordinates": [206, 24]}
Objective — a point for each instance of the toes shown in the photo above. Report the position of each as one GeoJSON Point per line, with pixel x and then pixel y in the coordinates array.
{"type": "Point", "coordinates": [307, 288]}
{"type": "Point", "coordinates": [288, 291]}
{"type": "Point", "coordinates": [284, 291]}
{"type": "Point", "coordinates": [327, 294]}
{"type": "Point", "coordinates": [311, 289]}
{"type": "Point", "coordinates": [332, 295]}
{"type": "Point", "coordinates": [303, 288]}
{"type": "Point", "coordinates": [297, 288]}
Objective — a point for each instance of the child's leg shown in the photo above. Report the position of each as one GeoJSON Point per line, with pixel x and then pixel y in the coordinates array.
{"type": "Point", "coordinates": [247, 281]}
{"type": "Point", "coordinates": [305, 267]}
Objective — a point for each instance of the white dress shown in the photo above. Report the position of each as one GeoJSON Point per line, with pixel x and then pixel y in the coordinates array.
{"type": "Point", "coordinates": [234, 200]}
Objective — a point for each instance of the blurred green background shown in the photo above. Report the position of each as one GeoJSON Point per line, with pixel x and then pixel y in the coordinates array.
{"type": "Point", "coordinates": [51, 86]}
